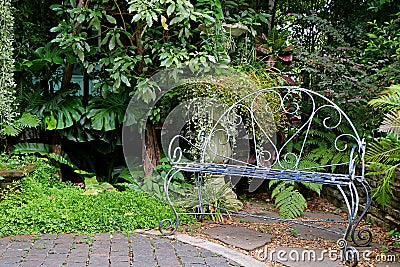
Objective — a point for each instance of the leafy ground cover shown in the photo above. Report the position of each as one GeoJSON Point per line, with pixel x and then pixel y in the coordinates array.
{"type": "Point", "coordinates": [39, 203]}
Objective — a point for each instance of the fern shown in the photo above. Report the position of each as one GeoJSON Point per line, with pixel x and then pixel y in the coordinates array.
{"type": "Point", "coordinates": [42, 149]}
{"type": "Point", "coordinates": [313, 187]}
{"type": "Point", "coordinates": [288, 199]}
{"type": "Point", "coordinates": [383, 193]}
{"type": "Point", "coordinates": [383, 155]}
{"type": "Point", "coordinates": [28, 120]}
{"type": "Point", "coordinates": [384, 150]}
{"type": "Point", "coordinates": [25, 121]}
{"type": "Point", "coordinates": [280, 186]}
{"type": "Point", "coordinates": [11, 130]}
{"type": "Point", "coordinates": [391, 123]}
{"type": "Point", "coordinates": [290, 203]}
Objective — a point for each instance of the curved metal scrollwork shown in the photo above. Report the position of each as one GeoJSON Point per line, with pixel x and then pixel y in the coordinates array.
{"type": "Point", "coordinates": [166, 226]}
{"type": "Point", "coordinates": [268, 159]}
{"type": "Point", "coordinates": [364, 235]}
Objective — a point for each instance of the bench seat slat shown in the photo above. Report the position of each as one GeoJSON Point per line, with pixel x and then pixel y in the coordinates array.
{"type": "Point", "coordinates": [266, 173]}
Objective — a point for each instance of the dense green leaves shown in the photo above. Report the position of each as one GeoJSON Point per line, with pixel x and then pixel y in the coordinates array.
{"type": "Point", "coordinates": [107, 114]}
{"type": "Point", "coordinates": [44, 205]}
{"type": "Point", "coordinates": [383, 155]}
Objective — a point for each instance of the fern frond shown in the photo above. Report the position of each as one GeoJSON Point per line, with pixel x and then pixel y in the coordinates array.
{"type": "Point", "coordinates": [273, 182]}
{"type": "Point", "coordinates": [278, 189]}
{"type": "Point", "coordinates": [383, 193]}
{"type": "Point", "coordinates": [306, 164]}
{"type": "Point", "coordinates": [11, 130]}
{"type": "Point", "coordinates": [383, 150]}
{"type": "Point", "coordinates": [290, 203]}
{"type": "Point", "coordinates": [391, 122]}
{"type": "Point", "coordinates": [313, 187]}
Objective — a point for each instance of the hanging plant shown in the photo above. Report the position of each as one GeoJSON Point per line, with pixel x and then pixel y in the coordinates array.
{"type": "Point", "coordinates": [8, 106]}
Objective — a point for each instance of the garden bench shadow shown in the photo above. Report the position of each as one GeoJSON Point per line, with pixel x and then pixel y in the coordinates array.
{"type": "Point", "coordinates": [271, 134]}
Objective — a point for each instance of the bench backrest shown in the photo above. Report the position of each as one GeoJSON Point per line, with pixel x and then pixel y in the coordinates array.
{"type": "Point", "coordinates": [280, 128]}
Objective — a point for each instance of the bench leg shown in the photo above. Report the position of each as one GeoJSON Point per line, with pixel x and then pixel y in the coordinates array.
{"type": "Point", "coordinates": [364, 236]}
{"type": "Point", "coordinates": [167, 226]}
{"type": "Point", "coordinates": [199, 182]}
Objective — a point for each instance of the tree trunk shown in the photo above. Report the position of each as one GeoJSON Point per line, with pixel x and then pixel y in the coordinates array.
{"type": "Point", "coordinates": [56, 149]}
{"type": "Point", "coordinates": [150, 150]}
{"type": "Point", "coordinates": [273, 7]}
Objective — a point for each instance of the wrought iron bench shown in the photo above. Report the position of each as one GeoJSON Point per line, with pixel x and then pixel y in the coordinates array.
{"type": "Point", "coordinates": [271, 134]}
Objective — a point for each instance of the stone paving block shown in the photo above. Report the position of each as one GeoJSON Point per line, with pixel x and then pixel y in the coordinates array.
{"type": "Point", "coordinates": [119, 258]}
{"type": "Point", "coordinates": [216, 261]}
{"type": "Point", "coordinates": [52, 264]}
{"type": "Point", "coordinates": [30, 257]}
{"type": "Point", "coordinates": [21, 245]}
{"type": "Point", "coordinates": [10, 253]}
{"type": "Point", "coordinates": [75, 264]}
{"type": "Point", "coordinates": [192, 260]}
{"type": "Point", "coordinates": [168, 261]}
{"type": "Point", "coordinates": [256, 219]}
{"type": "Point", "coordinates": [103, 251]}
{"type": "Point", "coordinates": [239, 237]}
{"type": "Point", "coordinates": [308, 233]}
{"type": "Point", "coordinates": [165, 254]}
{"type": "Point", "coordinates": [58, 250]}
{"type": "Point", "coordinates": [99, 261]}
{"type": "Point", "coordinates": [22, 238]}
{"type": "Point", "coordinates": [48, 237]}
{"type": "Point", "coordinates": [101, 237]}
{"type": "Point", "coordinates": [100, 253]}
{"type": "Point", "coordinates": [6, 261]}
{"type": "Point", "coordinates": [120, 264]}
{"type": "Point", "coordinates": [32, 263]}
{"type": "Point", "coordinates": [144, 260]}
{"type": "Point", "coordinates": [117, 250]}
{"type": "Point", "coordinates": [38, 252]}
{"type": "Point", "coordinates": [55, 258]}
{"type": "Point", "coordinates": [65, 237]}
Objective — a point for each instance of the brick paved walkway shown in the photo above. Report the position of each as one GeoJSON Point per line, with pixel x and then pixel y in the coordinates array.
{"type": "Point", "coordinates": [104, 250]}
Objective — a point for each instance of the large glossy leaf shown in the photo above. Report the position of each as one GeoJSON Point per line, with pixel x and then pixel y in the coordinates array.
{"type": "Point", "coordinates": [60, 110]}
{"type": "Point", "coordinates": [42, 149]}
{"type": "Point", "coordinates": [106, 114]}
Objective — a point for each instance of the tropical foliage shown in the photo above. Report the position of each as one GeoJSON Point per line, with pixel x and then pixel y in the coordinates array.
{"type": "Point", "coordinates": [384, 152]}
{"type": "Point", "coordinates": [345, 51]}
